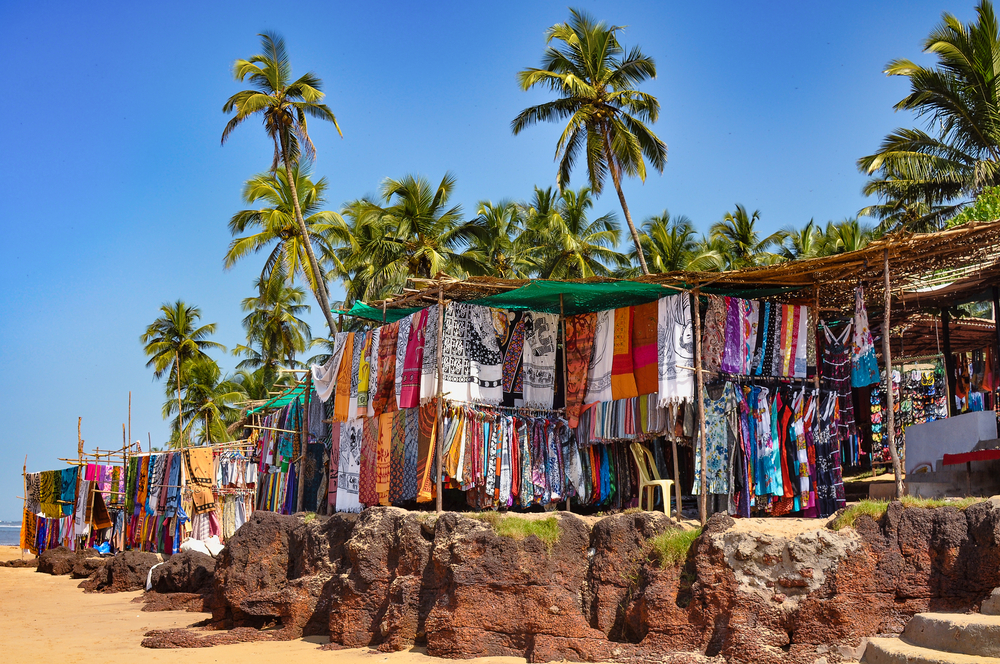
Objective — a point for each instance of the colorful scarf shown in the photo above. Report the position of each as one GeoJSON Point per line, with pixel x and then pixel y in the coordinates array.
{"type": "Point", "coordinates": [425, 453]}
{"type": "Point", "coordinates": [411, 446]}
{"type": "Point", "coordinates": [713, 338]}
{"type": "Point", "coordinates": [342, 402]}
{"type": "Point", "coordinates": [397, 453]}
{"type": "Point", "coordinates": [402, 344]}
{"type": "Point", "coordinates": [409, 395]}
{"type": "Point", "coordinates": [622, 379]}
{"type": "Point", "coordinates": [364, 376]}
{"type": "Point", "coordinates": [644, 349]}
{"type": "Point", "coordinates": [539, 358]}
{"type": "Point", "coordinates": [485, 358]}
{"type": "Point", "coordinates": [383, 453]}
{"type": "Point", "coordinates": [510, 340]}
{"type": "Point", "coordinates": [579, 348]}
{"type": "Point", "coordinates": [367, 493]}
{"type": "Point", "coordinates": [373, 367]}
{"type": "Point", "coordinates": [599, 370]}
{"type": "Point", "coordinates": [385, 394]}
{"type": "Point", "coordinates": [428, 371]}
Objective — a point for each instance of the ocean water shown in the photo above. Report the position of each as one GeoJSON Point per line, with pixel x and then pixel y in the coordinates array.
{"type": "Point", "coordinates": [10, 535]}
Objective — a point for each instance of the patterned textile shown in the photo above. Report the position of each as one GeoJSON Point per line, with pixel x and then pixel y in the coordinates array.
{"type": "Point", "coordinates": [367, 493]}
{"type": "Point", "coordinates": [325, 376]}
{"type": "Point", "coordinates": [342, 402]}
{"type": "Point", "coordinates": [539, 358]}
{"type": "Point", "coordinates": [510, 341]}
{"type": "Point", "coordinates": [33, 487]}
{"type": "Point", "coordinates": [428, 371]}
{"type": "Point", "coordinates": [385, 392]}
{"type": "Point", "coordinates": [373, 364]}
{"type": "Point", "coordinates": [397, 454]}
{"type": "Point", "coordinates": [622, 379]}
{"type": "Point", "coordinates": [599, 370]}
{"type": "Point", "coordinates": [349, 467]}
{"type": "Point", "coordinates": [750, 317]}
{"type": "Point", "coordinates": [713, 338]}
{"type": "Point", "coordinates": [68, 493]}
{"type": "Point", "coordinates": [364, 376]}
{"type": "Point", "coordinates": [409, 396]}
{"type": "Point", "coordinates": [402, 343]}
{"type": "Point", "coordinates": [644, 348]}
{"type": "Point", "coordinates": [732, 353]}
{"type": "Point", "coordinates": [357, 359]}
{"type": "Point", "coordinates": [456, 366]}
{"type": "Point", "coordinates": [200, 471]}
{"type": "Point", "coordinates": [410, 453]}
{"type": "Point", "coordinates": [485, 358]}
{"type": "Point", "coordinates": [864, 366]}
{"type": "Point", "coordinates": [674, 348]}
{"type": "Point", "coordinates": [778, 311]}
{"type": "Point", "coordinates": [837, 377]}
{"type": "Point", "coordinates": [425, 452]}
{"type": "Point", "coordinates": [333, 467]}
{"type": "Point", "coordinates": [579, 348]}
{"type": "Point", "coordinates": [383, 461]}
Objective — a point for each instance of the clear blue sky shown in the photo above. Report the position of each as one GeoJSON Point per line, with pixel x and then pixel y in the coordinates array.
{"type": "Point", "coordinates": [117, 192]}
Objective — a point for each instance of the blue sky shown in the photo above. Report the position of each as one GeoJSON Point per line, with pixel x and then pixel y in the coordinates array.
{"type": "Point", "coordinates": [117, 192]}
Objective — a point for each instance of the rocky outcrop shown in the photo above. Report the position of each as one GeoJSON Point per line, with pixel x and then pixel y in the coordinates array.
{"type": "Point", "coordinates": [184, 583]}
{"type": "Point", "coordinates": [125, 572]}
{"type": "Point", "coordinates": [61, 560]}
{"type": "Point", "coordinates": [389, 579]}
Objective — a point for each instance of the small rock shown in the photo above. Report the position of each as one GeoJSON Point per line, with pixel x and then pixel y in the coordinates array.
{"type": "Point", "coordinates": [778, 597]}
{"type": "Point", "coordinates": [554, 609]}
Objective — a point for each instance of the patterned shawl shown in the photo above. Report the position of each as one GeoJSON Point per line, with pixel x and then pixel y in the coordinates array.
{"type": "Point", "coordinates": [599, 371]}
{"type": "Point", "coordinates": [396, 456]}
{"type": "Point", "coordinates": [425, 453]}
{"type": "Point", "coordinates": [334, 467]}
{"type": "Point", "coordinates": [373, 367]}
{"type": "Point", "coordinates": [402, 344]}
{"type": "Point", "coordinates": [428, 370]}
{"type": "Point", "coordinates": [410, 453]}
{"type": "Point", "coordinates": [383, 453]}
{"type": "Point", "coordinates": [385, 393]}
{"type": "Point", "coordinates": [675, 348]}
{"type": "Point", "coordinates": [456, 367]}
{"type": "Point", "coordinates": [622, 379]}
{"type": "Point", "coordinates": [367, 493]}
{"type": "Point", "coordinates": [364, 376]}
{"type": "Point", "coordinates": [510, 341]}
{"type": "Point", "coordinates": [349, 467]}
{"type": "Point", "coordinates": [644, 354]}
{"type": "Point", "coordinates": [713, 339]}
{"type": "Point", "coordinates": [485, 357]}
{"type": "Point", "coordinates": [360, 339]}
{"type": "Point", "coordinates": [409, 396]}
{"type": "Point", "coordinates": [540, 331]}
{"type": "Point", "coordinates": [342, 403]}
{"type": "Point", "coordinates": [579, 348]}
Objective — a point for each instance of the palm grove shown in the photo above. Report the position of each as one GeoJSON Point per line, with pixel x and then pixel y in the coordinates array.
{"type": "Point", "coordinates": [923, 181]}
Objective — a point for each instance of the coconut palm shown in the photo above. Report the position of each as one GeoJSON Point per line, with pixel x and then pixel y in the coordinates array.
{"type": "Point", "coordinates": [209, 399]}
{"type": "Point", "coordinates": [274, 228]}
{"type": "Point", "coordinates": [414, 232]}
{"type": "Point", "coordinates": [172, 341]}
{"type": "Point", "coordinates": [283, 105]}
{"type": "Point", "coordinates": [500, 247]}
{"type": "Point", "coordinates": [596, 80]}
{"type": "Point", "coordinates": [805, 242]}
{"type": "Point", "coordinates": [740, 242]}
{"type": "Point", "coordinates": [915, 172]}
{"type": "Point", "coordinates": [668, 243]}
{"type": "Point", "coordinates": [573, 246]}
{"type": "Point", "coordinates": [274, 327]}
{"type": "Point", "coordinates": [847, 235]}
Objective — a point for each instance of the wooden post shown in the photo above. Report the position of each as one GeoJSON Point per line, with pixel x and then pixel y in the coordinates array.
{"type": "Point", "coordinates": [303, 444]}
{"type": "Point", "coordinates": [949, 361]}
{"type": "Point", "coordinates": [889, 418]}
{"type": "Point", "coordinates": [79, 475]}
{"type": "Point", "coordinates": [439, 443]}
{"type": "Point", "coordinates": [672, 419]}
{"type": "Point", "coordinates": [562, 322]}
{"type": "Point", "coordinates": [813, 332]}
{"type": "Point", "coordinates": [129, 416]}
{"type": "Point", "coordinates": [700, 402]}
{"type": "Point", "coordinates": [24, 509]}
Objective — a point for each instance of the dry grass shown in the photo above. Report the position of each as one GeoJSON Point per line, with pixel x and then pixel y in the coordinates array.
{"type": "Point", "coordinates": [876, 508]}
{"type": "Point", "coordinates": [519, 528]}
{"type": "Point", "coordinates": [671, 546]}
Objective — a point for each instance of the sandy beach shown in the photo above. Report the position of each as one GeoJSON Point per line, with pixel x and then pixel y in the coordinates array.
{"type": "Point", "coordinates": [48, 619]}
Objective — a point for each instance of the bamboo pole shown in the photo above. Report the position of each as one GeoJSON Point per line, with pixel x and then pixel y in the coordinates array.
{"type": "Point", "coordinates": [79, 456]}
{"type": "Point", "coordinates": [562, 322]}
{"type": "Point", "coordinates": [889, 399]}
{"type": "Point", "coordinates": [24, 509]}
{"type": "Point", "coordinates": [439, 443]}
{"type": "Point", "coordinates": [700, 402]}
{"type": "Point", "coordinates": [672, 419]}
{"type": "Point", "coordinates": [813, 331]}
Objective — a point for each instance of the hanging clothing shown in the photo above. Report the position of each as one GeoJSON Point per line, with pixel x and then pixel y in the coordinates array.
{"type": "Point", "coordinates": [580, 331]}
{"type": "Point", "coordinates": [402, 343]}
{"type": "Point", "coordinates": [864, 365]}
{"type": "Point", "coordinates": [644, 349]}
{"type": "Point", "coordinates": [674, 348]}
{"type": "Point", "coordinates": [622, 379]}
{"type": "Point", "coordinates": [718, 444]}
{"type": "Point", "coordinates": [539, 358]}
{"type": "Point", "coordinates": [409, 395]}
{"type": "Point", "coordinates": [510, 340]}
{"type": "Point", "coordinates": [349, 467]}
{"type": "Point", "coordinates": [602, 356]}
{"type": "Point", "coordinates": [713, 338]}
{"type": "Point", "coordinates": [485, 358]}
{"type": "Point", "coordinates": [342, 401]}
{"type": "Point", "coordinates": [325, 376]}
{"type": "Point", "coordinates": [385, 391]}
{"type": "Point", "coordinates": [429, 364]}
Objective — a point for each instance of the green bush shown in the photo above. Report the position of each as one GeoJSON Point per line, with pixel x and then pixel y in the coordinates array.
{"type": "Point", "coordinates": [671, 546]}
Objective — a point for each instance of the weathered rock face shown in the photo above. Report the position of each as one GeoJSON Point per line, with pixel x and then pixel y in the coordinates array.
{"type": "Point", "coordinates": [388, 579]}
{"type": "Point", "coordinates": [61, 560]}
{"type": "Point", "coordinates": [125, 572]}
{"type": "Point", "coordinates": [186, 572]}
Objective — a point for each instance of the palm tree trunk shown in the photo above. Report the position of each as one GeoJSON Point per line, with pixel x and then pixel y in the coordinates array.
{"type": "Point", "coordinates": [628, 216]}
{"type": "Point", "coordinates": [320, 290]}
{"type": "Point", "coordinates": [180, 418]}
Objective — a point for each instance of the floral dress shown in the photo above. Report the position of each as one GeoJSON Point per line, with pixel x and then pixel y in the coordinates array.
{"type": "Point", "coordinates": [717, 442]}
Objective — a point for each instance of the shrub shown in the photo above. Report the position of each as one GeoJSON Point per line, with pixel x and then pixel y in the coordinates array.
{"type": "Point", "coordinates": [671, 546]}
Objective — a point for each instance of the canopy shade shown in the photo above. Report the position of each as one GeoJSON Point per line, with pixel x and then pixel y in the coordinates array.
{"type": "Point", "coordinates": [280, 400]}
{"type": "Point", "coordinates": [578, 298]}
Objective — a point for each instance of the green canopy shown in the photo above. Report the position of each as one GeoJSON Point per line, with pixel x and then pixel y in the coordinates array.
{"type": "Point", "coordinates": [362, 310]}
{"type": "Point", "coordinates": [578, 298]}
{"type": "Point", "coordinates": [280, 400]}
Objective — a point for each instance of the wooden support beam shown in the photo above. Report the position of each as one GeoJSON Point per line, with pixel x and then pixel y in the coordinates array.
{"type": "Point", "coordinates": [700, 403]}
{"type": "Point", "coordinates": [890, 416]}
{"type": "Point", "coordinates": [439, 442]}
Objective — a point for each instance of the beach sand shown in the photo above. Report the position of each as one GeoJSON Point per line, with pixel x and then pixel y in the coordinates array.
{"type": "Point", "coordinates": [47, 618]}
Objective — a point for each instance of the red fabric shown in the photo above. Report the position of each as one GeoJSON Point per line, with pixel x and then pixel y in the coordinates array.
{"type": "Point", "coordinates": [966, 457]}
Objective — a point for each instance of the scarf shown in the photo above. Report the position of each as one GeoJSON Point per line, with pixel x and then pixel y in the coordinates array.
{"type": "Point", "coordinates": [510, 341]}
{"type": "Point", "coordinates": [334, 467]}
{"type": "Point", "coordinates": [373, 369]}
{"type": "Point", "coordinates": [456, 367]}
{"type": "Point", "coordinates": [342, 403]}
{"type": "Point", "coordinates": [599, 371]}
{"type": "Point", "coordinates": [579, 348]}
{"type": "Point", "coordinates": [484, 357]}
{"type": "Point", "coordinates": [349, 467]}
{"type": "Point", "coordinates": [644, 349]}
{"type": "Point", "coordinates": [425, 452]}
{"type": "Point", "coordinates": [325, 376]}
{"type": "Point", "coordinates": [383, 452]}
{"type": "Point", "coordinates": [713, 340]}
{"type": "Point", "coordinates": [402, 344]}
{"type": "Point", "coordinates": [385, 393]}
{"type": "Point", "coordinates": [539, 358]}
{"type": "Point", "coordinates": [199, 466]}
{"type": "Point", "coordinates": [409, 395]}
{"type": "Point", "coordinates": [68, 489]}
{"type": "Point", "coordinates": [428, 370]}
{"type": "Point", "coordinates": [364, 375]}
{"type": "Point", "coordinates": [360, 339]}
{"type": "Point", "coordinates": [396, 456]}
{"type": "Point", "coordinates": [367, 493]}
{"type": "Point", "coordinates": [411, 446]}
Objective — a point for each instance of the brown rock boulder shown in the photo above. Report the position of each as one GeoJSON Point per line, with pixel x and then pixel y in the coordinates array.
{"type": "Point", "coordinates": [57, 561]}
{"type": "Point", "coordinates": [125, 572]}
{"type": "Point", "coordinates": [185, 572]}
{"type": "Point", "coordinates": [84, 566]}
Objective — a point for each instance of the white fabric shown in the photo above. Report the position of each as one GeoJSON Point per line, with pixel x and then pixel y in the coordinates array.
{"type": "Point", "coordinates": [358, 348]}
{"type": "Point", "coordinates": [674, 349]}
{"type": "Point", "coordinates": [325, 376]}
{"type": "Point", "coordinates": [539, 358]}
{"type": "Point", "coordinates": [802, 342]}
{"type": "Point", "coordinates": [213, 545]}
{"type": "Point", "coordinates": [402, 340]}
{"type": "Point", "coordinates": [149, 574]}
{"type": "Point", "coordinates": [485, 358]}
{"type": "Point", "coordinates": [349, 468]}
{"type": "Point", "coordinates": [373, 370]}
{"type": "Point", "coordinates": [428, 370]}
{"type": "Point", "coordinates": [599, 372]}
{"type": "Point", "coordinates": [456, 367]}
{"type": "Point", "coordinates": [194, 545]}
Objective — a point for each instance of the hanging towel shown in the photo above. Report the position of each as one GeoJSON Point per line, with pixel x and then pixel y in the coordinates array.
{"type": "Point", "coordinates": [539, 358]}
{"type": "Point", "coordinates": [599, 370]}
{"type": "Point", "coordinates": [325, 376]}
{"type": "Point", "coordinates": [579, 348]}
{"type": "Point", "coordinates": [485, 359]}
{"type": "Point", "coordinates": [622, 379]}
{"type": "Point", "coordinates": [510, 340]}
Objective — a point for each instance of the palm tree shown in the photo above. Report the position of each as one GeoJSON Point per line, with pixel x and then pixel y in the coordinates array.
{"type": "Point", "coordinates": [277, 229]}
{"type": "Point", "coordinates": [275, 331]}
{"type": "Point", "coordinates": [283, 105]}
{"type": "Point", "coordinates": [572, 245]}
{"type": "Point", "coordinates": [596, 80]}
{"type": "Point", "coordinates": [847, 235]}
{"type": "Point", "coordinates": [417, 233]}
{"type": "Point", "coordinates": [173, 340]}
{"type": "Point", "coordinates": [914, 172]}
{"type": "Point", "coordinates": [500, 247]}
{"type": "Point", "coordinates": [209, 398]}
{"type": "Point", "coordinates": [806, 242]}
{"type": "Point", "coordinates": [740, 241]}
{"type": "Point", "coordinates": [668, 244]}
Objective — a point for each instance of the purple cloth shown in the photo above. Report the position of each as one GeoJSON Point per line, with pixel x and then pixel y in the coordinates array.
{"type": "Point", "coordinates": [733, 354]}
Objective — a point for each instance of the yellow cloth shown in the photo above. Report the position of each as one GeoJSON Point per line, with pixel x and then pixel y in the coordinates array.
{"type": "Point", "coordinates": [342, 400]}
{"type": "Point", "coordinates": [383, 458]}
{"type": "Point", "coordinates": [364, 373]}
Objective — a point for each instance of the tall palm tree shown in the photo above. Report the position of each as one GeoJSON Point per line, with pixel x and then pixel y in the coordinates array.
{"type": "Point", "coordinates": [276, 229]}
{"type": "Point", "coordinates": [274, 327]}
{"type": "Point", "coordinates": [283, 105]}
{"type": "Point", "coordinates": [209, 399]}
{"type": "Point", "coordinates": [740, 240]}
{"type": "Point", "coordinates": [415, 232]}
{"type": "Point", "coordinates": [915, 172]}
{"type": "Point", "coordinates": [847, 235]}
{"type": "Point", "coordinates": [573, 246]}
{"type": "Point", "coordinates": [596, 80]}
{"type": "Point", "coordinates": [668, 243]}
{"type": "Point", "coordinates": [500, 247]}
{"type": "Point", "coordinates": [805, 242]}
{"type": "Point", "coordinates": [173, 340]}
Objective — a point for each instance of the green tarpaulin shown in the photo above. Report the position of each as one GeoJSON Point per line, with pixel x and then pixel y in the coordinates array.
{"type": "Point", "coordinates": [362, 310]}
{"type": "Point", "coordinates": [577, 298]}
{"type": "Point", "coordinates": [280, 400]}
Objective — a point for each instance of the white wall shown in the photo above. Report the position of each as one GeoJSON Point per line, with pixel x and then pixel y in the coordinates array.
{"type": "Point", "coordinates": [929, 442]}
